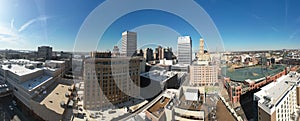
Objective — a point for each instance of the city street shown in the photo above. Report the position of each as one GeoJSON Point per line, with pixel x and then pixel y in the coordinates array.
{"type": "Point", "coordinates": [10, 114]}
{"type": "Point", "coordinates": [6, 114]}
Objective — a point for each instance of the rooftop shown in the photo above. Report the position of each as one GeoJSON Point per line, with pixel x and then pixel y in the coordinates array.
{"type": "Point", "coordinates": [19, 70]}
{"type": "Point", "coordinates": [272, 93]}
{"type": "Point", "coordinates": [158, 108]}
{"type": "Point", "coordinates": [252, 73]}
{"type": "Point", "coordinates": [54, 61]}
{"type": "Point", "coordinates": [55, 97]}
{"type": "Point", "coordinates": [190, 105]}
{"type": "Point", "coordinates": [36, 82]}
{"type": "Point", "coordinates": [191, 94]}
{"type": "Point", "coordinates": [160, 76]}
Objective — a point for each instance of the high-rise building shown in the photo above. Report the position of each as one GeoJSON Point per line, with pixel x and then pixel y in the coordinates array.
{"type": "Point", "coordinates": [116, 51]}
{"type": "Point", "coordinates": [45, 52]}
{"type": "Point", "coordinates": [148, 54]}
{"type": "Point", "coordinates": [129, 43]}
{"type": "Point", "coordinates": [161, 52]}
{"type": "Point", "coordinates": [184, 55]}
{"type": "Point", "coordinates": [168, 54]}
{"type": "Point", "coordinates": [203, 71]}
{"type": "Point", "coordinates": [279, 100]}
{"type": "Point", "coordinates": [109, 81]}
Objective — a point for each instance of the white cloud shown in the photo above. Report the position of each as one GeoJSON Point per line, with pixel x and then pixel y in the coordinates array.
{"type": "Point", "coordinates": [32, 21]}
{"type": "Point", "coordinates": [6, 35]}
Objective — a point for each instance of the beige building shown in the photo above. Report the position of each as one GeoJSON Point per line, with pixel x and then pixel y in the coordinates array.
{"type": "Point", "coordinates": [203, 71]}
{"type": "Point", "coordinates": [110, 81]}
{"type": "Point", "coordinates": [279, 100]}
{"type": "Point", "coordinates": [203, 74]}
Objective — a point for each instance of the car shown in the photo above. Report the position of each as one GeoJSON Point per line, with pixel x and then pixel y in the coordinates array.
{"type": "Point", "coordinates": [11, 108]}
{"type": "Point", "coordinates": [14, 103]}
{"type": "Point", "coordinates": [237, 109]}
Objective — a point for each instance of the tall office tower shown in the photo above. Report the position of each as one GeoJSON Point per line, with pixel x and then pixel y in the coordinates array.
{"type": "Point", "coordinates": [109, 81]}
{"type": "Point", "coordinates": [129, 43]}
{"type": "Point", "coordinates": [116, 51]}
{"type": "Point", "coordinates": [148, 54]}
{"type": "Point", "coordinates": [161, 52]}
{"type": "Point", "coordinates": [184, 50]}
{"type": "Point", "coordinates": [168, 54]}
{"type": "Point", "coordinates": [45, 52]}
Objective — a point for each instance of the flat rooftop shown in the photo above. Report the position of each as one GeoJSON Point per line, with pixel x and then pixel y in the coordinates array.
{"type": "Point", "coordinates": [36, 82]}
{"type": "Point", "coordinates": [158, 108]}
{"type": "Point", "coordinates": [20, 70]}
{"type": "Point", "coordinates": [55, 97]}
{"type": "Point", "coordinates": [190, 105]}
{"type": "Point", "coordinates": [159, 76]}
{"type": "Point", "coordinates": [54, 61]}
{"type": "Point", "coordinates": [272, 93]}
{"type": "Point", "coordinates": [252, 73]}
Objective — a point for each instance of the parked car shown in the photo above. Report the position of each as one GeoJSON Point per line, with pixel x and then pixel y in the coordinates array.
{"type": "Point", "coordinates": [11, 108]}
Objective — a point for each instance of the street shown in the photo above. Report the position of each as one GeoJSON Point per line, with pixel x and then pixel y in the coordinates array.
{"type": "Point", "coordinates": [6, 114]}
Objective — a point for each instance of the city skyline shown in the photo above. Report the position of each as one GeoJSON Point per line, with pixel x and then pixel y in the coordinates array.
{"type": "Point", "coordinates": [142, 60]}
{"type": "Point", "coordinates": [244, 25]}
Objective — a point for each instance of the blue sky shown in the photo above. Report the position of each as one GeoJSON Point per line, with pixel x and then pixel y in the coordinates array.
{"type": "Point", "coordinates": [243, 25]}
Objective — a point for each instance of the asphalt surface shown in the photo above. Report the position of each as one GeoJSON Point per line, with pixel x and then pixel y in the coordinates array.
{"type": "Point", "coordinates": [5, 113]}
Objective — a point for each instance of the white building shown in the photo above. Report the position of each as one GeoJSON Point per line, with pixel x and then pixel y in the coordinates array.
{"type": "Point", "coordinates": [129, 43]}
{"type": "Point", "coordinates": [279, 100]}
{"type": "Point", "coordinates": [30, 81]}
{"type": "Point", "coordinates": [184, 50]}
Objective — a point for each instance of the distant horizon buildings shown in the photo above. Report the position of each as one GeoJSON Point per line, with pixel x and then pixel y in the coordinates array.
{"type": "Point", "coordinates": [129, 43]}
{"type": "Point", "coordinates": [184, 50]}
{"type": "Point", "coordinates": [116, 51]}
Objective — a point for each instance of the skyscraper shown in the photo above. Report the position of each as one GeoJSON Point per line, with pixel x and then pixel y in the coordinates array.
{"type": "Point", "coordinates": [148, 54]}
{"type": "Point", "coordinates": [184, 50]}
{"type": "Point", "coordinates": [129, 43]}
{"type": "Point", "coordinates": [160, 53]}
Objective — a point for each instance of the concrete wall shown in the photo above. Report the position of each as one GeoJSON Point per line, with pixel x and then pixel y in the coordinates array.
{"type": "Point", "coordinates": [264, 116]}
